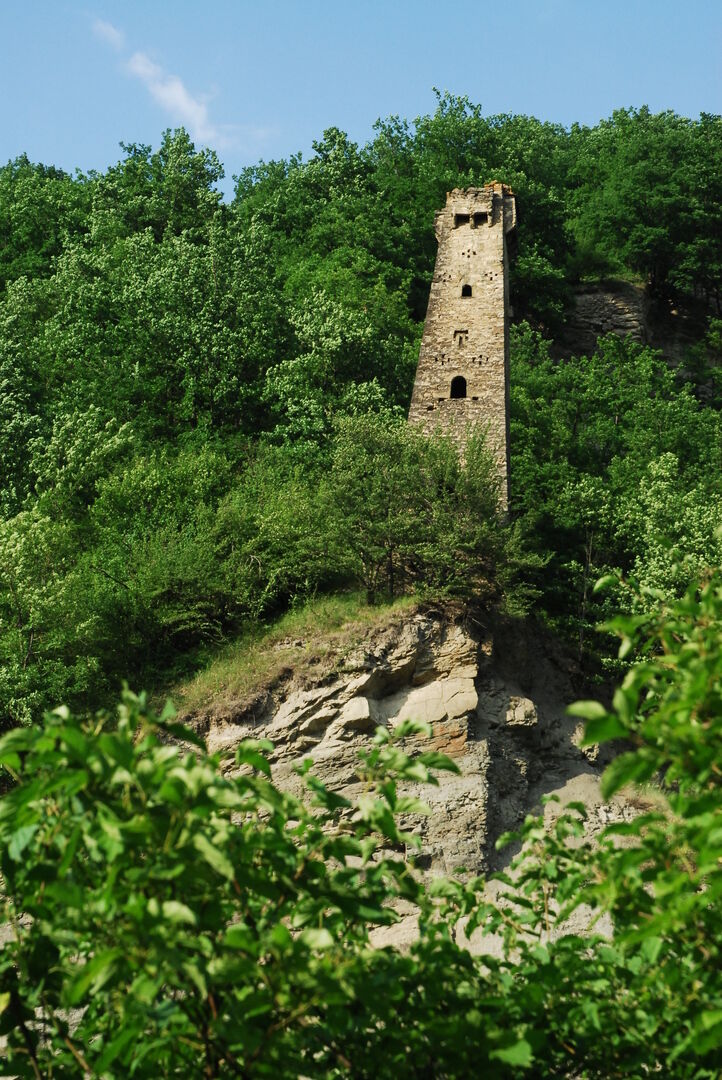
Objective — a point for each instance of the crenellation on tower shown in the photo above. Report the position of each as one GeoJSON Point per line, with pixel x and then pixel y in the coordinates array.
{"type": "Point", "coordinates": [462, 379]}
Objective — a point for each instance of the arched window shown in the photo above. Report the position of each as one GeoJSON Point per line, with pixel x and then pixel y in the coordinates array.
{"type": "Point", "coordinates": [466, 290]}
{"type": "Point", "coordinates": [458, 387]}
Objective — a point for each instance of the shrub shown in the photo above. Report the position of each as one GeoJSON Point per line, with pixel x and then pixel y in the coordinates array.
{"type": "Point", "coordinates": [170, 918]}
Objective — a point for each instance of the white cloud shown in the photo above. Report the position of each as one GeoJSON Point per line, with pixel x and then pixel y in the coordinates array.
{"type": "Point", "coordinates": [110, 34]}
{"type": "Point", "coordinates": [171, 94]}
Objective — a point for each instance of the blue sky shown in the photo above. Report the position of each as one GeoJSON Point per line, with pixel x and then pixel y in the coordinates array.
{"type": "Point", "coordinates": [263, 78]}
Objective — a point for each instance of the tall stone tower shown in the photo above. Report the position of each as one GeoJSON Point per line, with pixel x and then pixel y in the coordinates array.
{"type": "Point", "coordinates": [463, 375]}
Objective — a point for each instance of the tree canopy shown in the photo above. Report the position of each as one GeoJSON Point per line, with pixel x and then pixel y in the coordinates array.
{"type": "Point", "coordinates": [199, 398]}
{"type": "Point", "coordinates": [173, 918]}
{"type": "Point", "coordinates": [201, 423]}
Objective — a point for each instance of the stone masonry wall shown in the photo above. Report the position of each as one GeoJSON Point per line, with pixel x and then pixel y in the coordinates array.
{"type": "Point", "coordinates": [466, 337]}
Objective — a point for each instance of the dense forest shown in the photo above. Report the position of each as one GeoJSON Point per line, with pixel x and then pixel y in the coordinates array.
{"type": "Point", "coordinates": [202, 424]}
{"type": "Point", "coordinates": [202, 403]}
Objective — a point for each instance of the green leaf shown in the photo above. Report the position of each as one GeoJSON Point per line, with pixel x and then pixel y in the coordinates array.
{"type": "Point", "coordinates": [605, 582]}
{"type": "Point", "coordinates": [651, 948]}
{"type": "Point", "coordinates": [591, 1011]}
{"type": "Point", "coordinates": [239, 936]}
{"type": "Point", "coordinates": [411, 727]}
{"type": "Point", "coordinates": [708, 1031]}
{"type": "Point", "coordinates": [20, 840]}
{"type": "Point", "coordinates": [602, 729]}
{"type": "Point", "coordinates": [625, 648]}
{"type": "Point", "coordinates": [710, 1018]}
{"type": "Point", "coordinates": [176, 912]}
{"type": "Point", "coordinates": [69, 853]}
{"type": "Point", "coordinates": [254, 752]}
{"type": "Point", "coordinates": [94, 975]}
{"type": "Point", "coordinates": [254, 758]}
{"type": "Point", "coordinates": [505, 839]}
{"type": "Point", "coordinates": [317, 938]}
{"type": "Point", "coordinates": [185, 734]}
{"type": "Point", "coordinates": [415, 770]}
{"type": "Point", "coordinates": [213, 856]}
{"type": "Point", "coordinates": [626, 769]}
{"type": "Point", "coordinates": [19, 739]}
{"type": "Point", "coordinates": [587, 710]}
{"type": "Point", "coordinates": [625, 701]}
{"type": "Point", "coordinates": [280, 936]}
{"type": "Point", "coordinates": [518, 1053]}
{"type": "Point", "coordinates": [115, 1046]}
{"type": "Point", "coordinates": [4, 1002]}
{"type": "Point", "coordinates": [196, 976]}
{"type": "Point", "coordinates": [145, 989]}
{"type": "Point", "coordinates": [432, 759]}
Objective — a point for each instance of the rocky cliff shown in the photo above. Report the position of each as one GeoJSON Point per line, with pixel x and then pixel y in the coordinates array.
{"type": "Point", "coordinates": [495, 691]}
{"type": "Point", "coordinates": [621, 307]}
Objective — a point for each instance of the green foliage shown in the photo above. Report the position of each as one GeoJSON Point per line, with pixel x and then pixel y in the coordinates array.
{"type": "Point", "coordinates": [409, 511]}
{"type": "Point", "coordinates": [615, 466]}
{"type": "Point", "coordinates": [649, 191]}
{"type": "Point", "coordinates": [69, 465]}
{"type": "Point", "coordinates": [169, 191]}
{"type": "Point", "coordinates": [88, 593]}
{"type": "Point", "coordinates": [201, 422]}
{"type": "Point", "coordinates": [131, 571]}
{"type": "Point", "coordinates": [388, 510]}
{"type": "Point", "coordinates": [171, 917]}
{"type": "Point", "coordinates": [143, 321]}
{"type": "Point", "coordinates": [40, 208]}
{"type": "Point", "coordinates": [18, 428]}
{"type": "Point", "coordinates": [644, 996]}
{"type": "Point", "coordinates": [203, 922]}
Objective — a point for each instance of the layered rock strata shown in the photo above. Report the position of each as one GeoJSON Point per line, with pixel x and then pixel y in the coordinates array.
{"type": "Point", "coordinates": [495, 693]}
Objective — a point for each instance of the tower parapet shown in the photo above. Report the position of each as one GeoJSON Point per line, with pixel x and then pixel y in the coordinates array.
{"type": "Point", "coordinates": [462, 380]}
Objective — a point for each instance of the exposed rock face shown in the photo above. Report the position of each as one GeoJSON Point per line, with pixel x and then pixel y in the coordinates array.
{"type": "Point", "coordinates": [495, 692]}
{"type": "Point", "coordinates": [622, 309]}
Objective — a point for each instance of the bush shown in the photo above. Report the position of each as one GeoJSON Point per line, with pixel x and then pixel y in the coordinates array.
{"type": "Point", "coordinates": [202, 924]}
{"type": "Point", "coordinates": [411, 513]}
{"type": "Point", "coordinates": [172, 918]}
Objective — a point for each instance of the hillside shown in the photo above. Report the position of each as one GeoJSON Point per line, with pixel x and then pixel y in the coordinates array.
{"type": "Point", "coordinates": [361, 540]}
{"type": "Point", "coordinates": [201, 918]}
{"type": "Point", "coordinates": [193, 394]}
{"type": "Point", "coordinates": [495, 691]}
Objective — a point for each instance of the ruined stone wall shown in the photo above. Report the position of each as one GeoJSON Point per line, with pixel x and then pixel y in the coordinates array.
{"type": "Point", "coordinates": [466, 333]}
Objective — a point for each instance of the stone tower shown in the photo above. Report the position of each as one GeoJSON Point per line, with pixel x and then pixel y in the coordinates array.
{"type": "Point", "coordinates": [463, 375]}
